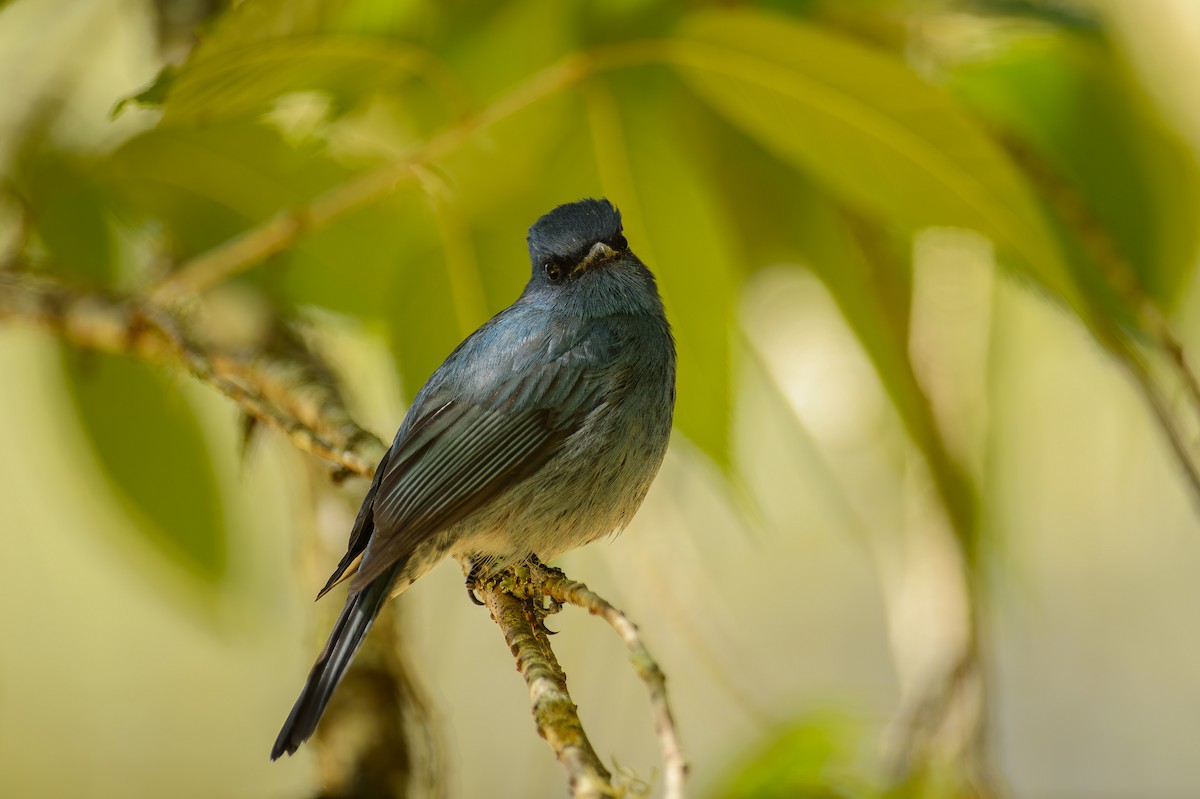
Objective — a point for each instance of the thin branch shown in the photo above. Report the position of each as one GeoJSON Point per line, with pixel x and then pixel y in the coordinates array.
{"type": "Point", "coordinates": [558, 587]}
{"type": "Point", "coordinates": [944, 725]}
{"type": "Point", "coordinates": [1139, 370]}
{"type": "Point", "coordinates": [1097, 240]}
{"type": "Point", "coordinates": [278, 234]}
{"type": "Point", "coordinates": [274, 391]}
{"type": "Point", "coordinates": [1118, 273]}
{"type": "Point", "coordinates": [952, 481]}
{"type": "Point", "coordinates": [520, 620]}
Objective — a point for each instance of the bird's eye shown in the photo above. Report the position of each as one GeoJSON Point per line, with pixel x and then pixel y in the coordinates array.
{"type": "Point", "coordinates": [619, 243]}
{"type": "Point", "coordinates": [553, 272]}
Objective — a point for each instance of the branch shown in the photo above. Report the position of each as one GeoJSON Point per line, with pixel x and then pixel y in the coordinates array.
{"type": "Point", "coordinates": [280, 392]}
{"type": "Point", "coordinates": [520, 620]}
{"type": "Point", "coordinates": [515, 600]}
{"type": "Point", "coordinates": [945, 726]}
{"type": "Point", "coordinates": [556, 585]}
{"type": "Point", "coordinates": [1119, 275]}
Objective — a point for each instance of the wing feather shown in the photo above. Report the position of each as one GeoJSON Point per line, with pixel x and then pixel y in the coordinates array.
{"type": "Point", "coordinates": [465, 454]}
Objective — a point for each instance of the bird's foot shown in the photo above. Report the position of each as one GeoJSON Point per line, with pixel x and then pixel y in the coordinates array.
{"type": "Point", "coordinates": [535, 565]}
{"type": "Point", "coordinates": [544, 605]}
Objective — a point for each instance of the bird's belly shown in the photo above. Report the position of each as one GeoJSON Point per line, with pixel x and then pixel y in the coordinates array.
{"type": "Point", "coordinates": [590, 489]}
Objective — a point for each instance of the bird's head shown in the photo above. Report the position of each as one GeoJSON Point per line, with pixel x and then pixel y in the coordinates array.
{"type": "Point", "coordinates": [579, 250]}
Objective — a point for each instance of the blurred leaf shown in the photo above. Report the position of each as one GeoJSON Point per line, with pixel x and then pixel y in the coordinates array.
{"type": "Point", "coordinates": [495, 51]}
{"type": "Point", "coordinates": [152, 96]}
{"type": "Point", "coordinates": [353, 267]}
{"type": "Point", "coordinates": [385, 265]}
{"type": "Point", "coordinates": [471, 258]}
{"type": "Point", "coordinates": [255, 53]}
{"type": "Point", "coordinates": [496, 177]}
{"type": "Point", "coordinates": [505, 172]}
{"type": "Point", "coordinates": [206, 185]}
{"type": "Point", "coordinates": [813, 759]}
{"type": "Point", "coordinates": [781, 217]}
{"type": "Point", "coordinates": [424, 324]}
{"type": "Point", "coordinates": [1069, 99]}
{"type": "Point", "coordinates": [243, 82]}
{"type": "Point", "coordinates": [378, 16]}
{"type": "Point", "coordinates": [867, 127]}
{"type": "Point", "coordinates": [69, 211]}
{"type": "Point", "coordinates": [1064, 15]}
{"type": "Point", "coordinates": [247, 23]}
{"type": "Point", "coordinates": [153, 451]}
{"type": "Point", "coordinates": [674, 223]}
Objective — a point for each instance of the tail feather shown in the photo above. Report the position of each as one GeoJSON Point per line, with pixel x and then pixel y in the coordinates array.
{"type": "Point", "coordinates": [348, 633]}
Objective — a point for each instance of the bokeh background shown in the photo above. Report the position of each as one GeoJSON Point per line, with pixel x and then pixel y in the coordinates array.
{"type": "Point", "coordinates": [928, 523]}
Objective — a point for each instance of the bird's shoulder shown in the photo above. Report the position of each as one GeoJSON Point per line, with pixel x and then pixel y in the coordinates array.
{"type": "Point", "coordinates": [523, 342]}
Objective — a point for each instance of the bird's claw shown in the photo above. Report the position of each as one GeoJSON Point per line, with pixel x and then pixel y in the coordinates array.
{"type": "Point", "coordinates": [474, 576]}
{"type": "Point", "coordinates": [547, 607]}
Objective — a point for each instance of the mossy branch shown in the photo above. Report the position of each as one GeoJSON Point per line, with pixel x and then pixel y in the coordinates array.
{"type": "Point", "coordinates": [516, 599]}
{"type": "Point", "coordinates": [277, 390]}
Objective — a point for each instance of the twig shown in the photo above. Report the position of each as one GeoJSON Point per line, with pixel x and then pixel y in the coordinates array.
{"type": "Point", "coordinates": [1113, 266]}
{"type": "Point", "coordinates": [555, 714]}
{"type": "Point", "coordinates": [956, 489]}
{"type": "Point", "coordinates": [943, 726]}
{"type": "Point", "coordinates": [1119, 275]}
{"type": "Point", "coordinates": [274, 392]}
{"type": "Point", "coordinates": [276, 235]}
{"type": "Point", "coordinates": [556, 585]}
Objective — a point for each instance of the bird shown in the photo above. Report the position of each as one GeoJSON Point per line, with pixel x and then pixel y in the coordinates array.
{"type": "Point", "coordinates": [542, 431]}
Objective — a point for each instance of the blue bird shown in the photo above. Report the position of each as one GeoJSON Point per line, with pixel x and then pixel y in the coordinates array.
{"type": "Point", "coordinates": [541, 432]}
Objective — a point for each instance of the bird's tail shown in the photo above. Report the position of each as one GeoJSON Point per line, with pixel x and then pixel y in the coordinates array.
{"type": "Point", "coordinates": [348, 633]}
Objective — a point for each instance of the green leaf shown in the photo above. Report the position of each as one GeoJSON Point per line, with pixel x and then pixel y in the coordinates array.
{"type": "Point", "coordinates": [673, 222]}
{"type": "Point", "coordinates": [493, 50]}
{"type": "Point", "coordinates": [425, 326]}
{"type": "Point", "coordinates": [153, 452]}
{"type": "Point", "coordinates": [243, 82]}
{"type": "Point", "coordinates": [868, 128]}
{"type": "Point", "coordinates": [814, 758]}
{"type": "Point", "coordinates": [1070, 100]}
{"type": "Point", "coordinates": [209, 184]}
{"type": "Point", "coordinates": [1063, 15]}
{"type": "Point", "coordinates": [152, 96]}
{"type": "Point", "coordinates": [386, 265]}
{"type": "Point", "coordinates": [354, 267]}
{"type": "Point", "coordinates": [473, 260]}
{"type": "Point", "coordinates": [69, 210]}
{"type": "Point", "coordinates": [255, 53]}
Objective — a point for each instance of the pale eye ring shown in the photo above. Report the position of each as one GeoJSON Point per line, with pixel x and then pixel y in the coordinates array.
{"type": "Point", "coordinates": [553, 272]}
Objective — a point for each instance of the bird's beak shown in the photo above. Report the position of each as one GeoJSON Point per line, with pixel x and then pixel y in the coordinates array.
{"type": "Point", "coordinates": [599, 253]}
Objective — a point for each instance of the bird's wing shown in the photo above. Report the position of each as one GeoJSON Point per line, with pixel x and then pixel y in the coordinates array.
{"type": "Point", "coordinates": [464, 453]}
